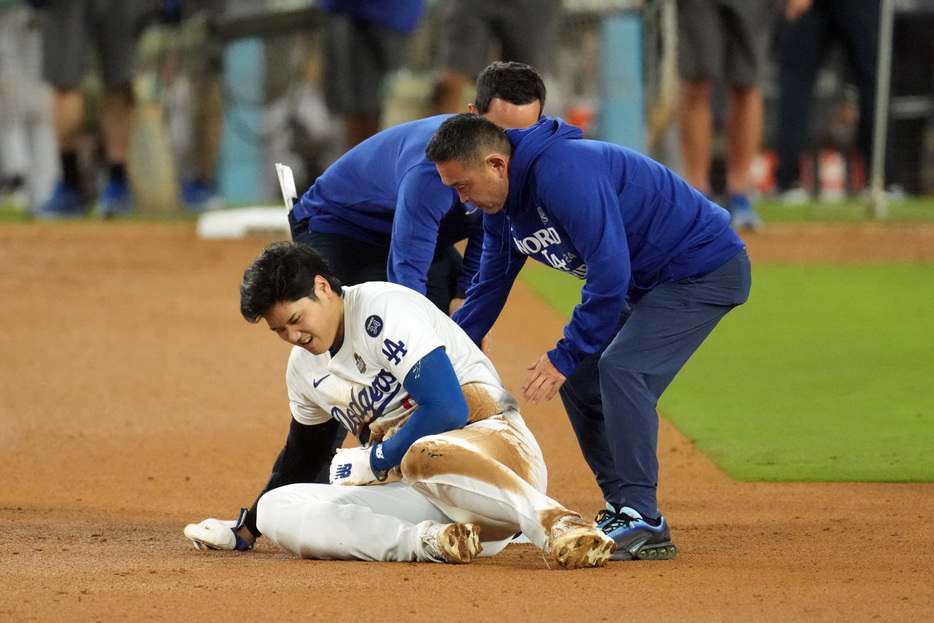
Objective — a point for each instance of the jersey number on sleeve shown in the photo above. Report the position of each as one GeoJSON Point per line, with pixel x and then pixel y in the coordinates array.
{"type": "Point", "coordinates": [394, 351]}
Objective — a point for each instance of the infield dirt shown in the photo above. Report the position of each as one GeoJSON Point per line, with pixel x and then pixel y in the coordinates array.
{"type": "Point", "coordinates": [134, 399]}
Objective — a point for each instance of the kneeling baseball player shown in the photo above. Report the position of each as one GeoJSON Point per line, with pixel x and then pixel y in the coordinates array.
{"type": "Point", "coordinates": [453, 469]}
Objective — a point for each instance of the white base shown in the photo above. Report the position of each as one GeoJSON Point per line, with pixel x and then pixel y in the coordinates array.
{"type": "Point", "coordinates": [240, 222]}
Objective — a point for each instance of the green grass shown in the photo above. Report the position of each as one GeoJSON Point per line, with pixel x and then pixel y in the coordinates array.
{"type": "Point", "coordinates": [824, 375]}
{"type": "Point", "coordinates": [909, 210]}
{"type": "Point", "coordinates": [8, 214]}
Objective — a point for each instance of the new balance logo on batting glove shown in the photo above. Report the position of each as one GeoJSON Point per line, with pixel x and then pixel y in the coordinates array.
{"type": "Point", "coordinates": [351, 466]}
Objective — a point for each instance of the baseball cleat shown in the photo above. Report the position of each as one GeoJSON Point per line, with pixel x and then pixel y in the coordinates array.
{"type": "Point", "coordinates": [116, 200]}
{"type": "Point", "coordinates": [635, 538]}
{"type": "Point", "coordinates": [575, 543]}
{"type": "Point", "coordinates": [742, 215]}
{"type": "Point", "coordinates": [454, 543]}
{"type": "Point", "coordinates": [65, 202]}
{"type": "Point", "coordinates": [218, 534]}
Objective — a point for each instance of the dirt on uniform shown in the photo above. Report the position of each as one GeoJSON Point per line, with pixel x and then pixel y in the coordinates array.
{"type": "Point", "coordinates": [135, 399]}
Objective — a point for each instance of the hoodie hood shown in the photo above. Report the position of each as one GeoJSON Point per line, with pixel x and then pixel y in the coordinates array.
{"type": "Point", "coordinates": [527, 145]}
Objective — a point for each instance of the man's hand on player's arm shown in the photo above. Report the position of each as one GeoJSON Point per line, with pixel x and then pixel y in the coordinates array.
{"type": "Point", "coordinates": [543, 382]}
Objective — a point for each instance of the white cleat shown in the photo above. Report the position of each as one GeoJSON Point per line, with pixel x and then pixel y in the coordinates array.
{"type": "Point", "coordinates": [212, 534]}
{"type": "Point", "coordinates": [218, 534]}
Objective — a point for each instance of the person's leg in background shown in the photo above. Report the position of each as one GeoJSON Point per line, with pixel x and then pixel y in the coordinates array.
{"type": "Point", "coordinates": [802, 45]}
{"type": "Point", "coordinates": [524, 31]}
{"type": "Point", "coordinates": [744, 133]}
{"type": "Point", "coordinates": [697, 133]}
{"type": "Point", "coordinates": [28, 152]}
{"type": "Point", "coordinates": [527, 31]}
{"type": "Point", "coordinates": [117, 26]}
{"type": "Point", "coordinates": [359, 55]}
{"type": "Point", "coordinates": [198, 190]}
{"type": "Point", "coordinates": [857, 23]}
{"type": "Point", "coordinates": [912, 95]}
{"type": "Point", "coordinates": [700, 50]}
{"type": "Point", "coordinates": [65, 44]}
{"type": "Point", "coordinates": [464, 40]}
{"type": "Point", "coordinates": [748, 31]}
{"type": "Point", "coordinates": [117, 120]}
{"type": "Point", "coordinates": [204, 65]}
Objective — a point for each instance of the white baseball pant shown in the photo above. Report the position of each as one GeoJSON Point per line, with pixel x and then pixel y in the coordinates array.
{"type": "Point", "coordinates": [490, 473]}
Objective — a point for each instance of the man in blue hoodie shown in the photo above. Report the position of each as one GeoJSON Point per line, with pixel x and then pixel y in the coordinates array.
{"type": "Point", "coordinates": [381, 213]}
{"type": "Point", "coordinates": [661, 266]}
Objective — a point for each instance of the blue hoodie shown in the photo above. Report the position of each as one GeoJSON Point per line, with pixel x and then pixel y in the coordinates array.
{"type": "Point", "coordinates": [401, 15]}
{"type": "Point", "coordinates": [385, 192]}
{"type": "Point", "coordinates": [609, 215]}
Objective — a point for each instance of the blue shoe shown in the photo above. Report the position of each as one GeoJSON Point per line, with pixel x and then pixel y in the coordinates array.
{"type": "Point", "coordinates": [742, 214]}
{"type": "Point", "coordinates": [635, 538]}
{"type": "Point", "coordinates": [116, 200]}
{"type": "Point", "coordinates": [65, 202]}
{"type": "Point", "coordinates": [198, 197]}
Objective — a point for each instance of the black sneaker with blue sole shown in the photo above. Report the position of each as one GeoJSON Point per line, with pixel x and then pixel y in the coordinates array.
{"type": "Point", "coordinates": [635, 538]}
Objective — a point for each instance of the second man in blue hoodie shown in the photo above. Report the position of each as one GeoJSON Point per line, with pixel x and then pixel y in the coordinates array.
{"type": "Point", "coordinates": [660, 265]}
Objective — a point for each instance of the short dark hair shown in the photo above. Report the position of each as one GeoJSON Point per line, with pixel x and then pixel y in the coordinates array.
{"type": "Point", "coordinates": [284, 272]}
{"type": "Point", "coordinates": [467, 138]}
{"type": "Point", "coordinates": [516, 83]}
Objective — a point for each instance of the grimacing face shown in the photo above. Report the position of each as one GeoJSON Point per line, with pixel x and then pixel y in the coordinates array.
{"type": "Point", "coordinates": [486, 187]}
{"type": "Point", "coordinates": [315, 325]}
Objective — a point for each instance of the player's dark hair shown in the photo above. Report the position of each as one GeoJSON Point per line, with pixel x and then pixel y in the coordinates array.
{"type": "Point", "coordinates": [467, 138]}
{"type": "Point", "coordinates": [516, 83]}
{"type": "Point", "coordinates": [283, 273]}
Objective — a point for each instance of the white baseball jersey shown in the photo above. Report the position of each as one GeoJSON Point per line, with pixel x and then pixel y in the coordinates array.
{"type": "Point", "coordinates": [490, 473]}
{"type": "Point", "coordinates": [387, 329]}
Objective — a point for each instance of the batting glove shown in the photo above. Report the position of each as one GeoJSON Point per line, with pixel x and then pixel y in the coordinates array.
{"type": "Point", "coordinates": [218, 534]}
{"type": "Point", "coordinates": [351, 466]}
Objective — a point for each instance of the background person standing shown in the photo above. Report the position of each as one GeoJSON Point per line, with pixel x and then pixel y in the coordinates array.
{"type": "Point", "coordinates": [71, 30]}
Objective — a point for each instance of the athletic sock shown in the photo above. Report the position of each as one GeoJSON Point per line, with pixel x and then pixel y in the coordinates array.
{"type": "Point", "coordinates": [70, 174]}
{"type": "Point", "coordinates": [118, 172]}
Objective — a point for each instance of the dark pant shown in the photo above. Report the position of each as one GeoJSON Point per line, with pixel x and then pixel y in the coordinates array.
{"type": "Point", "coordinates": [802, 46]}
{"type": "Point", "coordinates": [353, 262]}
{"type": "Point", "coordinates": [612, 395]}
{"type": "Point", "coordinates": [350, 260]}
